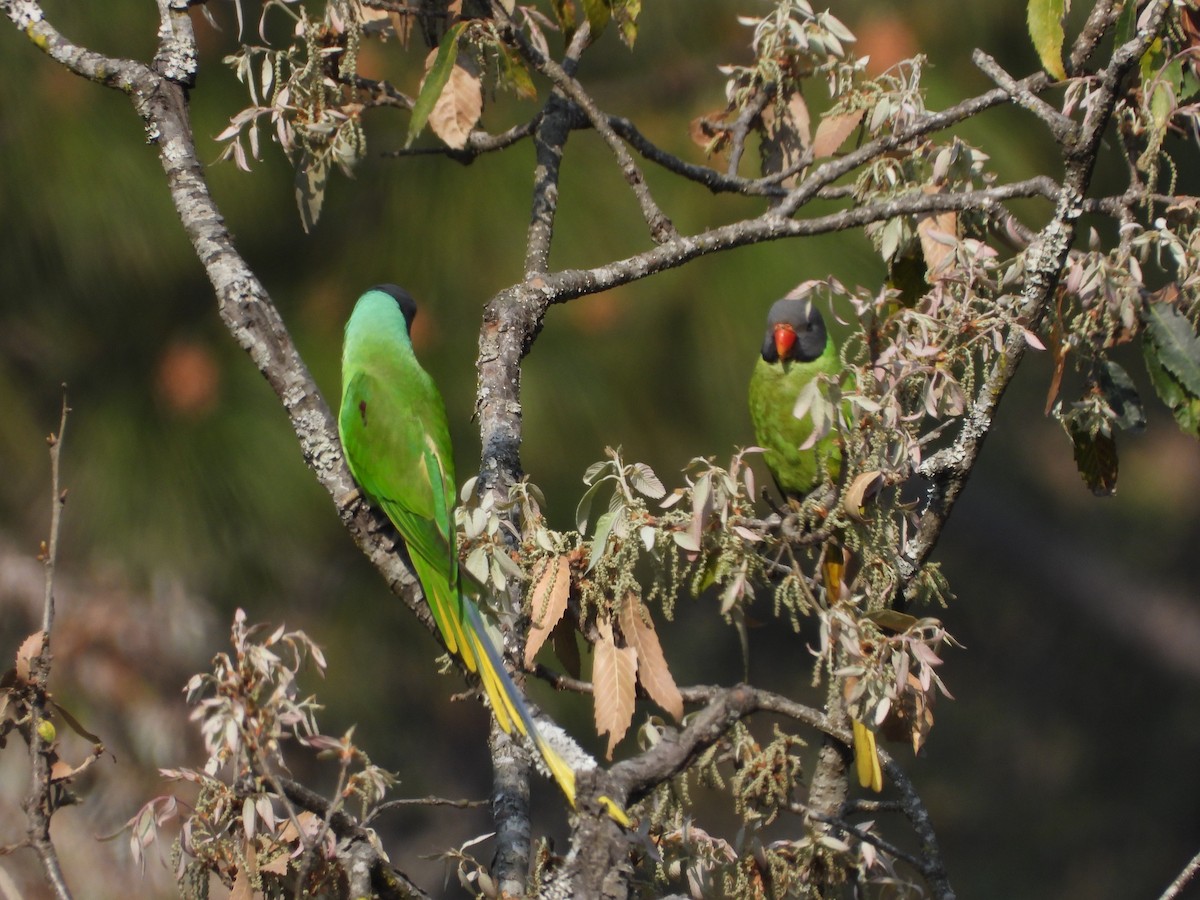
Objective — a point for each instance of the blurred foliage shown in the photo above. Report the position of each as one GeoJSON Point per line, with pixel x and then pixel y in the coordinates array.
{"type": "Point", "coordinates": [1065, 749]}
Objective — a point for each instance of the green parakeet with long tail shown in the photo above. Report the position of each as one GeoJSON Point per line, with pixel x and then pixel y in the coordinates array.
{"type": "Point", "coordinates": [796, 348]}
{"type": "Point", "coordinates": [397, 443]}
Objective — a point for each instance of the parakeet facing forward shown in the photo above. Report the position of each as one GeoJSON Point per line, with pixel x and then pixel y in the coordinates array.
{"type": "Point", "coordinates": [795, 348]}
{"type": "Point", "coordinates": [397, 443]}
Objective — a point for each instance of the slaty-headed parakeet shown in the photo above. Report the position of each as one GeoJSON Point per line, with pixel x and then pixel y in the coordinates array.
{"type": "Point", "coordinates": [796, 348]}
{"type": "Point", "coordinates": [397, 443]}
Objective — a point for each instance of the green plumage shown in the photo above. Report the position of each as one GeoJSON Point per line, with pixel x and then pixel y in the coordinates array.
{"type": "Point", "coordinates": [780, 374]}
{"type": "Point", "coordinates": [397, 443]}
{"type": "Point", "coordinates": [796, 348]}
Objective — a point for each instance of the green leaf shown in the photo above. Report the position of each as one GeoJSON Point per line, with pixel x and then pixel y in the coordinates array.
{"type": "Point", "coordinates": [1096, 459]}
{"type": "Point", "coordinates": [1122, 397]}
{"type": "Point", "coordinates": [1184, 407]}
{"type": "Point", "coordinates": [598, 14]}
{"type": "Point", "coordinates": [516, 76]}
{"type": "Point", "coordinates": [604, 526]}
{"type": "Point", "coordinates": [1045, 18]}
{"type": "Point", "coordinates": [626, 13]}
{"type": "Point", "coordinates": [584, 509]}
{"type": "Point", "coordinates": [1177, 343]}
{"type": "Point", "coordinates": [1126, 23]}
{"type": "Point", "coordinates": [435, 82]}
{"type": "Point", "coordinates": [564, 11]}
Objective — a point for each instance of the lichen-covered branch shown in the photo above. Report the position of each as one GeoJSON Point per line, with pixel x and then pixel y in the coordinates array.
{"type": "Point", "coordinates": [949, 469]}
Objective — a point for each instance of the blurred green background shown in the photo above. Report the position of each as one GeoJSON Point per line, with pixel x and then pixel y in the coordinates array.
{"type": "Point", "coordinates": [1064, 768]}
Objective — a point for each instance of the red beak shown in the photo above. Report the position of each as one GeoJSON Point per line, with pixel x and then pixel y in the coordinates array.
{"type": "Point", "coordinates": [785, 339]}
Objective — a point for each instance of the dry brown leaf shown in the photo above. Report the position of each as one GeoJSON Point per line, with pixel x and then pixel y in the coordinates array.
{"type": "Point", "coordinates": [709, 132]}
{"type": "Point", "coordinates": [242, 888]}
{"type": "Point", "coordinates": [938, 233]}
{"type": "Point", "coordinates": [652, 669]}
{"type": "Point", "coordinates": [892, 620]}
{"type": "Point", "coordinates": [614, 676]}
{"type": "Point", "coordinates": [309, 821]}
{"type": "Point", "coordinates": [460, 104]}
{"type": "Point", "coordinates": [1059, 351]}
{"type": "Point", "coordinates": [61, 770]}
{"type": "Point", "coordinates": [277, 866]}
{"type": "Point", "coordinates": [30, 647]}
{"type": "Point", "coordinates": [548, 602]}
{"type": "Point", "coordinates": [911, 718]}
{"type": "Point", "coordinates": [864, 486]}
{"type": "Point", "coordinates": [785, 137]}
{"type": "Point", "coordinates": [833, 131]}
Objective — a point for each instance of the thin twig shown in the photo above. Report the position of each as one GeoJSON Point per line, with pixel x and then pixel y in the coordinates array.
{"type": "Point", "coordinates": [1188, 873]}
{"type": "Point", "coordinates": [39, 805]}
{"type": "Point", "coordinates": [659, 224]}
{"type": "Point", "coordinates": [887, 847]}
{"type": "Point", "coordinates": [422, 801]}
{"type": "Point", "coordinates": [56, 507]}
{"type": "Point", "coordinates": [478, 143]}
{"type": "Point", "coordinates": [741, 126]}
{"type": "Point", "coordinates": [1062, 127]}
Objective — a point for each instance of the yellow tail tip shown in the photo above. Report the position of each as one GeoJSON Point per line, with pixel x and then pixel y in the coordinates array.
{"type": "Point", "coordinates": [615, 812]}
{"type": "Point", "coordinates": [866, 757]}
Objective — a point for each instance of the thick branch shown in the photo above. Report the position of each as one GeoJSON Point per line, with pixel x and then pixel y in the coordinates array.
{"type": "Point", "coordinates": [243, 302]}
{"type": "Point", "coordinates": [635, 778]}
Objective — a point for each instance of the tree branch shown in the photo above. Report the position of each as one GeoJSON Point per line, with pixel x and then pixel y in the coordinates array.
{"type": "Point", "coordinates": [949, 469]}
{"type": "Point", "coordinates": [659, 225]}
{"type": "Point", "coordinates": [243, 303]}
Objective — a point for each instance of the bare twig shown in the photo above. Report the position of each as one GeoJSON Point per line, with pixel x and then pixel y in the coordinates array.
{"type": "Point", "coordinates": [744, 122]}
{"type": "Point", "coordinates": [841, 824]}
{"type": "Point", "coordinates": [422, 801]}
{"type": "Point", "coordinates": [1062, 127]}
{"type": "Point", "coordinates": [1184, 878]}
{"type": "Point", "coordinates": [478, 143]}
{"type": "Point", "coordinates": [39, 806]}
{"type": "Point", "coordinates": [658, 223]}
{"type": "Point", "coordinates": [56, 507]}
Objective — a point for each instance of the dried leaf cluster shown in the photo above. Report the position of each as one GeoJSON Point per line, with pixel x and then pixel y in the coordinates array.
{"type": "Point", "coordinates": [249, 824]}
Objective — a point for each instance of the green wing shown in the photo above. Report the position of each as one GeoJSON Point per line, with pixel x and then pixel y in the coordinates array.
{"type": "Point", "coordinates": [401, 465]}
{"type": "Point", "coordinates": [397, 445]}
